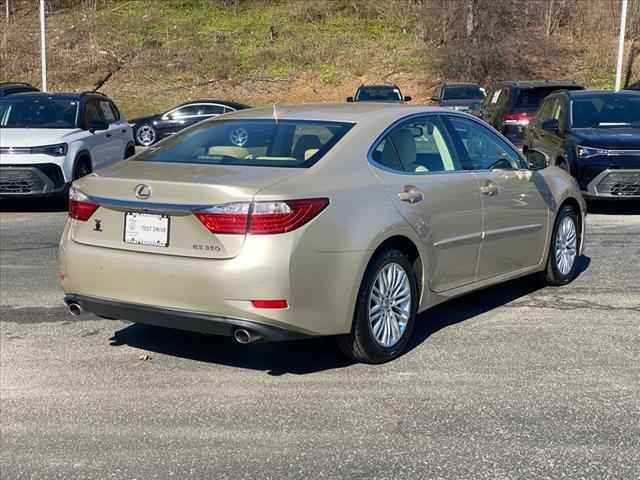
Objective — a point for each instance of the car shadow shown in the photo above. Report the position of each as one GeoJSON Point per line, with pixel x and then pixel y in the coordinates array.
{"type": "Point", "coordinates": [319, 354]}
{"type": "Point", "coordinates": [614, 207]}
{"type": "Point", "coordinates": [35, 205]}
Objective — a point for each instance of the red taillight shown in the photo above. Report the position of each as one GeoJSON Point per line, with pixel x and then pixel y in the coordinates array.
{"type": "Point", "coordinates": [261, 218]}
{"type": "Point", "coordinates": [79, 206]}
{"type": "Point", "coordinates": [269, 304]}
{"type": "Point", "coordinates": [520, 118]}
{"type": "Point", "coordinates": [226, 219]}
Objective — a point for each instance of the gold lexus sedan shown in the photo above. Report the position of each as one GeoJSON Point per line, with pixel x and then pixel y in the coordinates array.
{"type": "Point", "coordinates": [347, 220]}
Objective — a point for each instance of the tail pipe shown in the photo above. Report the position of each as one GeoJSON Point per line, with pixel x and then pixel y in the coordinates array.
{"type": "Point", "coordinates": [244, 336]}
{"type": "Point", "coordinates": [74, 309]}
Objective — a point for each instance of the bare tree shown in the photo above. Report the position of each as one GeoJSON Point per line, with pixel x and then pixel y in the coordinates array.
{"type": "Point", "coordinates": [554, 11]}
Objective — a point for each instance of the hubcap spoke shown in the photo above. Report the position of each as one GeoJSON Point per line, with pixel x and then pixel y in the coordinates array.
{"type": "Point", "coordinates": [389, 305]}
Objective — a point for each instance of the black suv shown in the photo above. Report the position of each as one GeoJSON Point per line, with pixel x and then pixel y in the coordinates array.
{"type": "Point", "coordinates": [510, 106]}
{"type": "Point", "coordinates": [9, 88]}
{"type": "Point", "coordinates": [379, 93]}
{"type": "Point", "coordinates": [460, 96]}
{"type": "Point", "coordinates": [595, 136]}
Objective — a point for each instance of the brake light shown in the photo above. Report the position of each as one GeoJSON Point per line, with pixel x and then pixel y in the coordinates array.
{"type": "Point", "coordinates": [79, 206]}
{"type": "Point", "coordinates": [520, 118]}
{"type": "Point", "coordinates": [261, 218]}
{"type": "Point", "coordinates": [270, 304]}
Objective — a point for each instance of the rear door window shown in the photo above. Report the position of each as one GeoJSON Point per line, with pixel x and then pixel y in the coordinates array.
{"type": "Point", "coordinates": [283, 143]}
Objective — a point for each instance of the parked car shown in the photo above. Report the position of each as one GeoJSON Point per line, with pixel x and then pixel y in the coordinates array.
{"type": "Point", "coordinates": [326, 220]}
{"type": "Point", "coordinates": [593, 135]}
{"type": "Point", "coordinates": [460, 96]}
{"type": "Point", "coordinates": [9, 88]}
{"type": "Point", "coordinates": [149, 130]}
{"type": "Point", "coordinates": [511, 106]}
{"type": "Point", "coordinates": [389, 93]}
{"type": "Point", "coordinates": [49, 139]}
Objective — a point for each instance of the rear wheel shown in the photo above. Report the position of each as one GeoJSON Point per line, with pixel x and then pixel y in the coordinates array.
{"type": "Point", "coordinates": [146, 135]}
{"type": "Point", "coordinates": [563, 251]}
{"type": "Point", "coordinates": [385, 310]}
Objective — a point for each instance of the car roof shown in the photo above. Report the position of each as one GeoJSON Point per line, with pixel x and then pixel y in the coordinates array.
{"type": "Point", "coordinates": [229, 103]}
{"type": "Point", "coordinates": [539, 83]}
{"type": "Point", "coordinates": [357, 112]}
{"type": "Point", "coordinates": [599, 93]}
{"type": "Point", "coordinates": [460, 84]}
{"type": "Point", "coordinates": [65, 95]}
{"type": "Point", "coordinates": [379, 85]}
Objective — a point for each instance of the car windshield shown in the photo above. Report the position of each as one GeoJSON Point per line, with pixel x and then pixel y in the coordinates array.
{"type": "Point", "coordinates": [378, 94]}
{"type": "Point", "coordinates": [259, 143]}
{"type": "Point", "coordinates": [531, 98]}
{"type": "Point", "coordinates": [606, 111]}
{"type": "Point", "coordinates": [463, 93]}
{"type": "Point", "coordinates": [38, 112]}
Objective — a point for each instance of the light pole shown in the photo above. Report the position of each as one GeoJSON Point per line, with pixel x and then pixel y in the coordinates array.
{"type": "Point", "coordinates": [43, 46]}
{"type": "Point", "coordinates": [623, 26]}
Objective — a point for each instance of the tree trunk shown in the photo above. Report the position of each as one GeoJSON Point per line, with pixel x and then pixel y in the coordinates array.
{"type": "Point", "coordinates": [633, 54]}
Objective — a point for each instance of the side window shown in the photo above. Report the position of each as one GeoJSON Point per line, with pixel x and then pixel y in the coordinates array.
{"type": "Point", "coordinates": [545, 111]}
{"type": "Point", "coordinates": [183, 112]}
{"type": "Point", "coordinates": [106, 111]}
{"type": "Point", "coordinates": [116, 112]}
{"type": "Point", "coordinates": [481, 148]}
{"type": "Point", "coordinates": [559, 112]}
{"type": "Point", "coordinates": [495, 96]}
{"type": "Point", "coordinates": [210, 110]}
{"type": "Point", "coordinates": [417, 146]}
{"type": "Point", "coordinates": [92, 113]}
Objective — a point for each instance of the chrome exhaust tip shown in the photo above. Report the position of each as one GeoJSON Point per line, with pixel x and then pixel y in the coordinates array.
{"type": "Point", "coordinates": [74, 309]}
{"type": "Point", "coordinates": [244, 336]}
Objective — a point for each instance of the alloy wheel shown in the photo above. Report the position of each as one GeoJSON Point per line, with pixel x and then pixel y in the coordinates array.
{"type": "Point", "coordinates": [389, 305]}
{"type": "Point", "coordinates": [566, 245]}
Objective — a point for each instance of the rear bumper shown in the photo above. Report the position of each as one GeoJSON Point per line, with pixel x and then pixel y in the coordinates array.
{"type": "Point", "coordinates": [179, 319]}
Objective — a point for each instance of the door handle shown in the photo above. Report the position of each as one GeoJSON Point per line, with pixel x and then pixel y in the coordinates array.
{"type": "Point", "coordinates": [124, 130]}
{"type": "Point", "coordinates": [108, 135]}
{"type": "Point", "coordinates": [411, 194]}
{"type": "Point", "coordinates": [489, 188]}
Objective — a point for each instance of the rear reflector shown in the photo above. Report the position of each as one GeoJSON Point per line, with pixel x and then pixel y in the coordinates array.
{"type": "Point", "coordinates": [521, 118]}
{"type": "Point", "coordinates": [261, 218]}
{"type": "Point", "coordinates": [270, 304]}
{"type": "Point", "coordinates": [79, 206]}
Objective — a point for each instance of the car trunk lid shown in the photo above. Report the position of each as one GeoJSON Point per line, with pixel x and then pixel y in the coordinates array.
{"type": "Point", "coordinates": [149, 207]}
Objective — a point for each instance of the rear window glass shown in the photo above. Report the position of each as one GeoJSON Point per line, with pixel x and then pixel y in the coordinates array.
{"type": "Point", "coordinates": [378, 94]}
{"type": "Point", "coordinates": [463, 93]}
{"type": "Point", "coordinates": [532, 97]}
{"type": "Point", "coordinates": [259, 143]}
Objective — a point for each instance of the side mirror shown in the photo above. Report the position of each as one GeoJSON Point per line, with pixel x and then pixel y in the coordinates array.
{"type": "Point", "coordinates": [97, 125]}
{"type": "Point", "coordinates": [407, 99]}
{"type": "Point", "coordinates": [536, 160]}
{"type": "Point", "coordinates": [435, 98]}
{"type": "Point", "coordinates": [349, 99]}
{"type": "Point", "coordinates": [551, 125]}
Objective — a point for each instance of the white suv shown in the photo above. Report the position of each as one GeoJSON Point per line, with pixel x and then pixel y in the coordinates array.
{"type": "Point", "coordinates": [47, 140]}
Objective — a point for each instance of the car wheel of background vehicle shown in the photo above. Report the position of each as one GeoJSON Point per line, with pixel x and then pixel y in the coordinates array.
{"type": "Point", "coordinates": [82, 168]}
{"type": "Point", "coordinates": [146, 135]}
{"type": "Point", "coordinates": [385, 310]}
{"type": "Point", "coordinates": [563, 251]}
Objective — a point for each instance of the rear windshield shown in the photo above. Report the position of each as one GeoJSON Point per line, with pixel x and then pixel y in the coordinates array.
{"type": "Point", "coordinates": [463, 93]}
{"type": "Point", "coordinates": [37, 112]}
{"type": "Point", "coordinates": [378, 94]}
{"type": "Point", "coordinates": [258, 143]}
{"type": "Point", "coordinates": [532, 97]}
{"type": "Point", "coordinates": [606, 111]}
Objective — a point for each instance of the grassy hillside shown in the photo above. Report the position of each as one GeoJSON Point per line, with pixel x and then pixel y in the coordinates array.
{"type": "Point", "coordinates": [160, 52]}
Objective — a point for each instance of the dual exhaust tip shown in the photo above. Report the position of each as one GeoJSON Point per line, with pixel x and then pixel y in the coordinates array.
{"type": "Point", "coordinates": [240, 335]}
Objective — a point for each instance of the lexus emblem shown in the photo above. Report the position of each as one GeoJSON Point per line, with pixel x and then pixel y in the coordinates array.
{"type": "Point", "coordinates": [142, 191]}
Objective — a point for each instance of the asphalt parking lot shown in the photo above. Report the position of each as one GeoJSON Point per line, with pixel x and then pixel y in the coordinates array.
{"type": "Point", "coordinates": [512, 382]}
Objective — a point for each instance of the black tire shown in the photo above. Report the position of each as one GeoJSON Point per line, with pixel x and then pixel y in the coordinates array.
{"type": "Point", "coordinates": [82, 168]}
{"type": "Point", "coordinates": [146, 135]}
{"type": "Point", "coordinates": [360, 345]}
{"type": "Point", "coordinates": [553, 274]}
{"type": "Point", "coordinates": [130, 152]}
